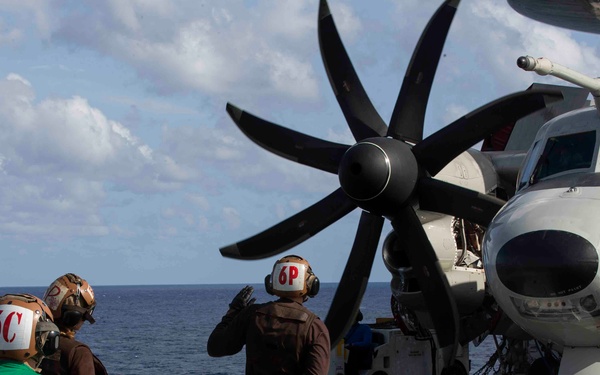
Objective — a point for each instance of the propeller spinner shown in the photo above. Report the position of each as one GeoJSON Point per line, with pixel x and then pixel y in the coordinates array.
{"type": "Point", "coordinates": [384, 174]}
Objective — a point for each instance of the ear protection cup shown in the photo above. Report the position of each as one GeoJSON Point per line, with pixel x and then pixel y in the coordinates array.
{"type": "Point", "coordinates": [51, 344]}
{"type": "Point", "coordinates": [52, 333]}
{"type": "Point", "coordinates": [312, 284]}
{"type": "Point", "coordinates": [71, 317]}
{"type": "Point", "coordinates": [269, 284]}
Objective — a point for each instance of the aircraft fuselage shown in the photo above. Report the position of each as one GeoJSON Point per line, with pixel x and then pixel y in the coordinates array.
{"type": "Point", "coordinates": [541, 250]}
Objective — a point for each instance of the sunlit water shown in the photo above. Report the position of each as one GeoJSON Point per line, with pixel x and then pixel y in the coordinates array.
{"type": "Point", "coordinates": [163, 329]}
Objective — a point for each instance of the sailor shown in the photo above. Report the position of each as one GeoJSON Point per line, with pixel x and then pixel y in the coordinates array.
{"type": "Point", "coordinates": [72, 302]}
{"type": "Point", "coordinates": [27, 333]}
{"type": "Point", "coordinates": [359, 343]}
{"type": "Point", "coordinates": [281, 336]}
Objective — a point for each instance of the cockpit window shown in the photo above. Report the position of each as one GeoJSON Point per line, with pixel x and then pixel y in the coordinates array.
{"type": "Point", "coordinates": [564, 153]}
{"type": "Point", "coordinates": [525, 173]}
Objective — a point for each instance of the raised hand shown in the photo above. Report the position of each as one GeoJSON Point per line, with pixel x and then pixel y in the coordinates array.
{"type": "Point", "coordinates": [243, 298]}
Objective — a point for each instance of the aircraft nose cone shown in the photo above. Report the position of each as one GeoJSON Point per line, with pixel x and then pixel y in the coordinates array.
{"type": "Point", "coordinates": [364, 171]}
{"type": "Point", "coordinates": [547, 263]}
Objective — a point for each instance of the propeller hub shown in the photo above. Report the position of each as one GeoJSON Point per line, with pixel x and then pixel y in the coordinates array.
{"type": "Point", "coordinates": [379, 174]}
{"type": "Point", "coordinates": [364, 171]}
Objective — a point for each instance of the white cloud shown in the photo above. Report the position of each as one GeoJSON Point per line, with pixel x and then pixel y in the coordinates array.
{"type": "Point", "coordinates": [56, 155]}
{"type": "Point", "coordinates": [288, 75]}
{"type": "Point", "coordinates": [280, 211]}
{"type": "Point", "coordinates": [198, 201]}
{"type": "Point", "coordinates": [509, 35]}
{"type": "Point", "coordinates": [291, 18]}
{"type": "Point", "coordinates": [27, 11]}
{"type": "Point", "coordinates": [72, 164]}
{"type": "Point", "coordinates": [228, 153]}
{"type": "Point", "coordinates": [203, 223]}
{"type": "Point", "coordinates": [347, 23]}
{"type": "Point", "coordinates": [153, 105]}
{"type": "Point", "coordinates": [212, 50]}
{"type": "Point", "coordinates": [454, 112]}
{"type": "Point", "coordinates": [296, 204]}
{"type": "Point", "coordinates": [345, 137]}
{"type": "Point", "coordinates": [232, 217]}
{"type": "Point", "coordinates": [10, 36]}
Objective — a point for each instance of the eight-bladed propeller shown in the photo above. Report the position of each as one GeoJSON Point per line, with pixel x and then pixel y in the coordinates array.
{"type": "Point", "coordinates": [384, 175]}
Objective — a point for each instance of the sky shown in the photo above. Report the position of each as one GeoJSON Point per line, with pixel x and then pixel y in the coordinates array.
{"type": "Point", "coordinates": [118, 161]}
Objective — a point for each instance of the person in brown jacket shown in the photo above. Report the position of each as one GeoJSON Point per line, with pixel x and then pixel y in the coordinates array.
{"type": "Point", "coordinates": [281, 336]}
{"type": "Point", "coordinates": [72, 302]}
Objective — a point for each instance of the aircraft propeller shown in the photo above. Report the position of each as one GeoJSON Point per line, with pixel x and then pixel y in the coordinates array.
{"type": "Point", "coordinates": [387, 173]}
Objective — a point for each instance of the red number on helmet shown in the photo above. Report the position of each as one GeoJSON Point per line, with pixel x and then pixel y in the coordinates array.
{"type": "Point", "coordinates": [5, 326]}
{"type": "Point", "coordinates": [282, 276]}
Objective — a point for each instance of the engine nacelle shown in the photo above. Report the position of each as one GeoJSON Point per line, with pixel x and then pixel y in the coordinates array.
{"type": "Point", "coordinates": [467, 283]}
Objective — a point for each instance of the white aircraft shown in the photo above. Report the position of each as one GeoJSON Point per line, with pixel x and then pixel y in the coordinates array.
{"type": "Point", "coordinates": [541, 249]}
{"type": "Point", "coordinates": [441, 197]}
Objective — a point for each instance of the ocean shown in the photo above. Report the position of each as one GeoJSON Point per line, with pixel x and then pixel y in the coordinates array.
{"type": "Point", "coordinates": [163, 329]}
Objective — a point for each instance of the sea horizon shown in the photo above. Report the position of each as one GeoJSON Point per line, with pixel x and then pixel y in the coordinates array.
{"type": "Point", "coordinates": [176, 284]}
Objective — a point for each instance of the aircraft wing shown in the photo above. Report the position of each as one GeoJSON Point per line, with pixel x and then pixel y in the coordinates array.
{"type": "Point", "coordinates": [507, 147]}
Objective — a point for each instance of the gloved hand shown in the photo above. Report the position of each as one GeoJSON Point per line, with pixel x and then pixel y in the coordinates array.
{"type": "Point", "coordinates": [242, 299]}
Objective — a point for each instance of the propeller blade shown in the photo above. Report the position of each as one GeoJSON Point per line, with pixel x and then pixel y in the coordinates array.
{"type": "Point", "coordinates": [363, 119]}
{"type": "Point", "coordinates": [450, 199]}
{"type": "Point", "coordinates": [352, 286]}
{"type": "Point", "coordinates": [432, 281]}
{"type": "Point", "coordinates": [287, 143]}
{"type": "Point", "coordinates": [437, 150]}
{"type": "Point", "coordinates": [408, 117]}
{"type": "Point", "coordinates": [292, 231]}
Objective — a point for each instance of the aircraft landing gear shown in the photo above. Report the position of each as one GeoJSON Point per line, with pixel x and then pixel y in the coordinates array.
{"type": "Point", "coordinates": [456, 368]}
{"type": "Point", "coordinates": [544, 366]}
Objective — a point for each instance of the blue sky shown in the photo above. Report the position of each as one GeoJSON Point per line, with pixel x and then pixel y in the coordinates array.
{"type": "Point", "coordinates": [118, 160]}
